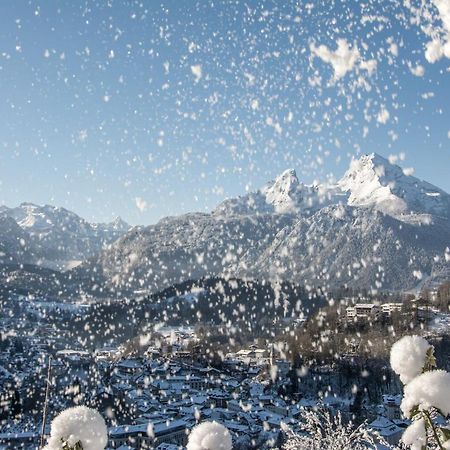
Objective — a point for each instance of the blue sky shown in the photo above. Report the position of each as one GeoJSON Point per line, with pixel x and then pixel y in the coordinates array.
{"type": "Point", "coordinates": [102, 103]}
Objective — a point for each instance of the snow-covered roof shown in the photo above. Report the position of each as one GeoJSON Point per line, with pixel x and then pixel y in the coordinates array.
{"type": "Point", "coordinates": [160, 428]}
{"type": "Point", "coordinates": [385, 426]}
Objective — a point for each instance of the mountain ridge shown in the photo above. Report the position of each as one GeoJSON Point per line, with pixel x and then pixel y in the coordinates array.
{"type": "Point", "coordinates": [377, 227]}
{"type": "Point", "coordinates": [370, 180]}
{"type": "Point", "coordinates": [54, 237]}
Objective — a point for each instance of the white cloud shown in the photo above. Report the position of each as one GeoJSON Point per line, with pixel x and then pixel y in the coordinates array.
{"type": "Point", "coordinates": [192, 47]}
{"type": "Point", "coordinates": [82, 135]}
{"type": "Point", "coordinates": [443, 7]}
{"type": "Point", "coordinates": [254, 104]}
{"type": "Point", "coordinates": [408, 171]}
{"type": "Point", "coordinates": [250, 78]}
{"type": "Point", "coordinates": [276, 126]}
{"type": "Point", "coordinates": [392, 159]}
{"type": "Point", "coordinates": [393, 47]}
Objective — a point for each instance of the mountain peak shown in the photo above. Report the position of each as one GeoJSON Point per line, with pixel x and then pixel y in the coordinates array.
{"type": "Point", "coordinates": [288, 173]}
{"type": "Point", "coordinates": [371, 162]}
{"type": "Point", "coordinates": [372, 180]}
{"type": "Point", "coordinates": [282, 193]}
{"type": "Point", "coordinates": [374, 158]}
{"type": "Point", "coordinates": [119, 224]}
{"type": "Point", "coordinates": [28, 205]}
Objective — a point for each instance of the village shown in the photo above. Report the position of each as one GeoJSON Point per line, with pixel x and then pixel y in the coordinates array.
{"type": "Point", "coordinates": [151, 398]}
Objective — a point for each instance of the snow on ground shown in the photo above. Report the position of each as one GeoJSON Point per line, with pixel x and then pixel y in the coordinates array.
{"type": "Point", "coordinates": [440, 324]}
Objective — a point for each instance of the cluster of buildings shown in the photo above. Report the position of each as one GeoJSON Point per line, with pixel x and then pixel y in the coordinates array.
{"type": "Point", "coordinates": [153, 398]}
{"type": "Point", "coordinates": [153, 401]}
{"type": "Point", "coordinates": [149, 399]}
{"type": "Point", "coordinates": [173, 392]}
{"type": "Point", "coordinates": [363, 312]}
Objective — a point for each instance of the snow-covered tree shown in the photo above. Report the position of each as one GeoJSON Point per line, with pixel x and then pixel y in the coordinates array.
{"type": "Point", "coordinates": [210, 436]}
{"type": "Point", "coordinates": [426, 398]}
{"type": "Point", "coordinates": [320, 430]}
{"type": "Point", "coordinates": [78, 428]}
{"type": "Point", "coordinates": [410, 356]}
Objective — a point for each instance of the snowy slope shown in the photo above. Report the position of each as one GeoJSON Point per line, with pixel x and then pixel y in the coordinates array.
{"type": "Point", "coordinates": [15, 245]}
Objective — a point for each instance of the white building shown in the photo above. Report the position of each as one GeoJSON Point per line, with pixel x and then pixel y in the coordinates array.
{"type": "Point", "coordinates": [363, 312]}
{"type": "Point", "coordinates": [137, 436]}
{"type": "Point", "coordinates": [391, 405]}
{"type": "Point", "coordinates": [389, 308]}
{"type": "Point", "coordinates": [252, 356]}
{"type": "Point", "coordinates": [387, 429]}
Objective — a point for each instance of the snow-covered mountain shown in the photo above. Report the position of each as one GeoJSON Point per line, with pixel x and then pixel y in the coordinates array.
{"type": "Point", "coordinates": [284, 195]}
{"type": "Point", "coordinates": [376, 227]}
{"type": "Point", "coordinates": [373, 181]}
{"type": "Point", "coordinates": [52, 237]}
{"type": "Point", "coordinates": [370, 181]}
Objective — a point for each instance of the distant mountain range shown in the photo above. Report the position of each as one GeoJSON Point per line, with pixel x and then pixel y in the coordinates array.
{"type": "Point", "coordinates": [52, 237]}
{"type": "Point", "coordinates": [377, 227]}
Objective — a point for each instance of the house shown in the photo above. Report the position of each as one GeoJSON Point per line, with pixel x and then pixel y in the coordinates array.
{"type": "Point", "coordinates": [102, 398]}
{"type": "Point", "coordinates": [425, 313]}
{"type": "Point", "coordinates": [75, 358]}
{"type": "Point", "coordinates": [389, 308]}
{"type": "Point", "coordinates": [189, 381]}
{"type": "Point", "coordinates": [147, 436]}
{"type": "Point", "coordinates": [105, 354]}
{"type": "Point", "coordinates": [218, 398]}
{"type": "Point", "coordinates": [391, 405]}
{"type": "Point", "coordinates": [387, 429]}
{"type": "Point", "coordinates": [363, 312]}
{"type": "Point", "coordinates": [282, 367]}
{"type": "Point", "coordinates": [253, 355]}
{"type": "Point", "coordinates": [129, 366]}
{"type": "Point", "coordinates": [278, 407]}
{"type": "Point", "coordinates": [135, 435]}
{"type": "Point", "coordinates": [170, 432]}
{"type": "Point", "coordinates": [14, 441]}
{"type": "Point", "coordinates": [167, 447]}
